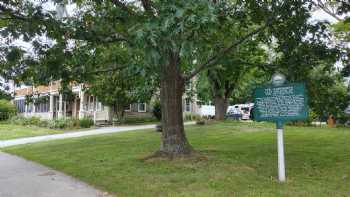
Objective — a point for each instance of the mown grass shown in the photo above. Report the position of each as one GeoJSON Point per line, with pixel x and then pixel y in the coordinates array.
{"type": "Point", "coordinates": [240, 160]}
{"type": "Point", "coordinates": [12, 131]}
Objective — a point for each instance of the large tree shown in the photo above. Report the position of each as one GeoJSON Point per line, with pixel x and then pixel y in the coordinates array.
{"type": "Point", "coordinates": [169, 40]}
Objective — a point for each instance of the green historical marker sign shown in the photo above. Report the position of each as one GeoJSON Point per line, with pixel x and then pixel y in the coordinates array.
{"type": "Point", "coordinates": [282, 103]}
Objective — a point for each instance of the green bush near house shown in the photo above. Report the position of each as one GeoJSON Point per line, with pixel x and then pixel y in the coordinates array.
{"type": "Point", "coordinates": [59, 123]}
{"type": "Point", "coordinates": [192, 117]}
{"type": "Point", "coordinates": [157, 112]}
{"type": "Point", "coordinates": [62, 123]}
{"type": "Point", "coordinates": [20, 120]}
{"type": "Point", "coordinates": [86, 122]}
{"type": "Point", "coordinates": [135, 120]}
{"type": "Point", "coordinates": [7, 109]}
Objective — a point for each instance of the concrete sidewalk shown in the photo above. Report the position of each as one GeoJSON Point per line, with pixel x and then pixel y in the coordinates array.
{"type": "Point", "coordinates": [105, 130]}
{"type": "Point", "coordinates": [22, 178]}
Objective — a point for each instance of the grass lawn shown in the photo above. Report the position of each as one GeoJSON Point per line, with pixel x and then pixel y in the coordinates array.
{"type": "Point", "coordinates": [240, 161]}
{"type": "Point", "coordinates": [11, 131]}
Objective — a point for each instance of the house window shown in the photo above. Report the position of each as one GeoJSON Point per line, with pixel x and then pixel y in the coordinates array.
{"type": "Point", "coordinates": [188, 105]}
{"type": "Point", "coordinates": [127, 108]}
{"type": "Point", "coordinates": [142, 107]}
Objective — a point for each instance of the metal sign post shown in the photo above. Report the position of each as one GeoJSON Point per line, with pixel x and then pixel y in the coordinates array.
{"type": "Point", "coordinates": [280, 102]}
{"type": "Point", "coordinates": [280, 151]}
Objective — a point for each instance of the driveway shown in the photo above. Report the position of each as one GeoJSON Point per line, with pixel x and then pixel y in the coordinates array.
{"type": "Point", "coordinates": [22, 178]}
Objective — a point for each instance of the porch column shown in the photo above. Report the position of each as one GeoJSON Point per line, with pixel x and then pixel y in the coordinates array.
{"type": "Point", "coordinates": [109, 113]}
{"type": "Point", "coordinates": [95, 109]}
{"type": "Point", "coordinates": [82, 100]}
{"type": "Point", "coordinates": [74, 110]}
{"type": "Point", "coordinates": [34, 108]}
{"type": "Point", "coordinates": [60, 106]}
{"type": "Point", "coordinates": [25, 109]}
{"type": "Point", "coordinates": [51, 111]}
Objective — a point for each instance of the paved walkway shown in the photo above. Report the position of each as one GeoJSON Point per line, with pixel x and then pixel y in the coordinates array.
{"type": "Point", "coordinates": [22, 178]}
{"type": "Point", "coordinates": [99, 131]}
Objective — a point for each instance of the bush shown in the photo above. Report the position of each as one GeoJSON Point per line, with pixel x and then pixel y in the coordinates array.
{"type": "Point", "coordinates": [19, 120]}
{"type": "Point", "coordinates": [134, 120]}
{"type": "Point", "coordinates": [7, 110]}
{"type": "Point", "coordinates": [43, 123]}
{"type": "Point", "coordinates": [32, 121]}
{"type": "Point", "coordinates": [192, 117]}
{"type": "Point", "coordinates": [343, 119]}
{"type": "Point", "coordinates": [63, 123]}
{"type": "Point", "coordinates": [59, 123]}
{"type": "Point", "coordinates": [16, 120]}
{"type": "Point", "coordinates": [86, 123]}
{"type": "Point", "coordinates": [157, 112]}
{"type": "Point", "coordinates": [308, 122]}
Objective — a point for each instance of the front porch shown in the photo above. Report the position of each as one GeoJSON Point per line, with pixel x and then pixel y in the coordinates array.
{"type": "Point", "coordinates": [56, 106]}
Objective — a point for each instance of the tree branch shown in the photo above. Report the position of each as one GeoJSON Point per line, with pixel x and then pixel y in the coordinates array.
{"type": "Point", "coordinates": [147, 5]}
{"type": "Point", "coordinates": [265, 67]}
{"type": "Point", "coordinates": [118, 67]}
{"type": "Point", "coordinates": [323, 7]}
{"type": "Point", "coordinates": [123, 6]}
{"type": "Point", "coordinates": [214, 59]}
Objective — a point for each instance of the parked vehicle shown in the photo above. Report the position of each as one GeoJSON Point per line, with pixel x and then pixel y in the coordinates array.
{"type": "Point", "coordinates": [234, 113]}
{"type": "Point", "coordinates": [240, 111]}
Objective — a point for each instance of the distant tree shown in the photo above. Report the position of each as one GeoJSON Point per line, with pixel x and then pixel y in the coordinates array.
{"type": "Point", "coordinates": [120, 89]}
{"type": "Point", "coordinates": [7, 109]}
{"type": "Point", "coordinates": [328, 93]}
{"type": "Point", "coordinates": [4, 88]}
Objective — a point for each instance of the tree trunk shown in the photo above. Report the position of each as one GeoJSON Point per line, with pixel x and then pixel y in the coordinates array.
{"type": "Point", "coordinates": [221, 105]}
{"type": "Point", "coordinates": [174, 141]}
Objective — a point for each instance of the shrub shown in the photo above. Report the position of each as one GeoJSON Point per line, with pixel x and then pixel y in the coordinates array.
{"type": "Point", "coordinates": [65, 123]}
{"type": "Point", "coordinates": [20, 120]}
{"type": "Point", "coordinates": [343, 119]}
{"type": "Point", "coordinates": [43, 123]}
{"type": "Point", "coordinates": [7, 110]}
{"type": "Point", "coordinates": [157, 112]}
{"type": "Point", "coordinates": [16, 120]}
{"type": "Point", "coordinates": [62, 123]}
{"type": "Point", "coordinates": [192, 117]}
{"type": "Point", "coordinates": [308, 122]}
{"type": "Point", "coordinates": [32, 121]}
{"type": "Point", "coordinates": [135, 120]}
{"type": "Point", "coordinates": [59, 123]}
{"type": "Point", "coordinates": [86, 122]}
